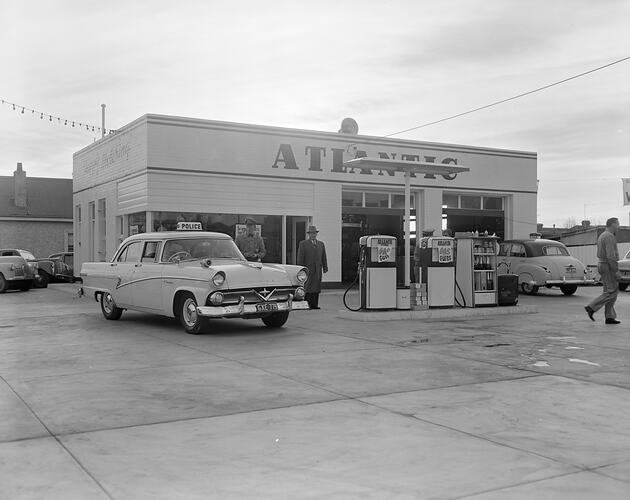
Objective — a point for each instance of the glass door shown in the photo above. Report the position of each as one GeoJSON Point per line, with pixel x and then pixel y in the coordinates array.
{"type": "Point", "coordinates": [296, 232]}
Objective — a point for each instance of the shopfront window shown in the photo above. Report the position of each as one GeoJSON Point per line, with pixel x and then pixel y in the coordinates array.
{"type": "Point", "coordinates": [450, 201]}
{"type": "Point", "coordinates": [398, 201]}
{"type": "Point", "coordinates": [380, 200]}
{"type": "Point", "coordinates": [492, 203]}
{"type": "Point", "coordinates": [137, 223]}
{"type": "Point", "coordinates": [352, 199]}
{"type": "Point", "coordinates": [270, 227]}
{"type": "Point", "coordinates": [471, 202]}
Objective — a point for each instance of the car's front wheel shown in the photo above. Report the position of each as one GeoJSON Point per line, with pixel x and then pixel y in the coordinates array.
{"type": "Point", "coordinates": [568, 289]}
{"type": "Point", "coordinates": [4, 284]}
{"type": "Point", "coordinates": [41, 281]}
{"type": "Point", "coordinates": [276, 320]}
{"type": "Point", "coordinates": [623, 286]}
{"type": "Point", "coordinates": [109, 307]}
{"type": "Point", "coordinates": [187, 313]}
{"type": "Point", "coordinates": [529, 289]}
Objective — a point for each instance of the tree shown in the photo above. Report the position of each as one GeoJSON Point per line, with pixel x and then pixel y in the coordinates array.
{"type": "Point", "coordinates": [570, 222]}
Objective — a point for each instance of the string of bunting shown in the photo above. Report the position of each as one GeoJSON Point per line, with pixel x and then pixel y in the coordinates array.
{"type": "Point", "coordinates": [51, 118]}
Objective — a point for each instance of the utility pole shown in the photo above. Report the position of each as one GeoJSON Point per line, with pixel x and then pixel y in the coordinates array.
{"type": "Point", "coordinates": [102, 120]}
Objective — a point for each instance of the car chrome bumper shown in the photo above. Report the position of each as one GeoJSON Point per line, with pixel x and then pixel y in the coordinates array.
{"type": "Point", "coordinates": [242, 310]}
{"type": "Point", "coordinates": [564, 282]}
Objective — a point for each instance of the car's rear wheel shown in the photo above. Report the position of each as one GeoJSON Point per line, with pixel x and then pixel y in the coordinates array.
{"type": "Point", "coordinates": [109, 307]}
{"type": "Point", "coordinates": [276, 320]}
{"type": "Point", "coordinates": [529, 289]}
{"type": "Point", "coordinates": [4, 285]}
{"type": "Point", "coordinates": [568, 289]}
{"type": "Point", "coordinates": [623, 286]}
{"type": "Point", "coordinates": [187, 313]}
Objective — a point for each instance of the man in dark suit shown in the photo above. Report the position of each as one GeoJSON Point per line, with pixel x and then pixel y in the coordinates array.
{"type": "Point", "coordinates": [312, 254]}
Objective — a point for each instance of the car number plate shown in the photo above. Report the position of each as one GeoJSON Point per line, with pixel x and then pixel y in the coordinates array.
{"type": "Point", "coordinates": [266, 307]}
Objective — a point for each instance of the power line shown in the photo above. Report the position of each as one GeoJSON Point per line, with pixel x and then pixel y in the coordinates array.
{"type": "Point", "coordinates": [511, 98]}
{"type": "Point", "coordinates": [52, 118]}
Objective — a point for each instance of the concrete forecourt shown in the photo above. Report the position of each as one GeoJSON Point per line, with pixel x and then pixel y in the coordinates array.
{"type": "Point", "coordinates": [515, 406]}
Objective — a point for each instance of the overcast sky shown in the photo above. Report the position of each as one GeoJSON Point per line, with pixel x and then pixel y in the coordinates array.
{"type": "Point", "coordinates": [388, 64]}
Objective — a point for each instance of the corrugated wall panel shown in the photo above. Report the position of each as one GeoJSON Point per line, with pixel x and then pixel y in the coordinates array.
{"type": "Point", "coordinates": [221, 194]}
{"type": "Point", "coordinates": [132, 193]}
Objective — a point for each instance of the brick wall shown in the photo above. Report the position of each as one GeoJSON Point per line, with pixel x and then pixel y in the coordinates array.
{"type": "Point", "coordinates": [40, 238]}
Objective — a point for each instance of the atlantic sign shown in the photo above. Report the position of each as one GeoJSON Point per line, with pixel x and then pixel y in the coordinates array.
{"type": "Point", "coordinates": [320, 159]}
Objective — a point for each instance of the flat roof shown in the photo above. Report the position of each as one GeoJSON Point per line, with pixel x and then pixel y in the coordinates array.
{"type": "Point", "coordinates": [297, 132]}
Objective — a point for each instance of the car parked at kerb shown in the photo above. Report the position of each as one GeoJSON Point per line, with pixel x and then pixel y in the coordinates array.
{"type": "Point", "coordinates": [194, 276]}
{"type": "Point", "coordinates": [15, 273]}
{"type": "Point", "coordinates": [57, 268]}
{"type": "Point", "coordinates": [539, 263]}
{"type": "Point", "coordinates": [31, 261]}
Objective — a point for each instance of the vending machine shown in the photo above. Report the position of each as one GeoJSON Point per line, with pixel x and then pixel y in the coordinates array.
{"type": "Point", "coordinates": [477, 270]}
{"type": "Point", "coordinates": [437, 270]}
{"type": "Point", "coordinates": [377, 272]}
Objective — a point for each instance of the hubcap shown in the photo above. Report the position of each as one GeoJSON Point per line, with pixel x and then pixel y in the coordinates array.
{"type": "Point", "coordinates": [108, 303]}
{"type": "Point", "coordinates": [189, 312]}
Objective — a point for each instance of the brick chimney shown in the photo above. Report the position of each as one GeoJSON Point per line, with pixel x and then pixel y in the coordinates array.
{"type": "Point", "coordinates": [19, 187]}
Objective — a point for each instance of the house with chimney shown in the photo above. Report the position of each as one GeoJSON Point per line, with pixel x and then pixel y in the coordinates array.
{"type": "Point", "coordinates": [36, 213]}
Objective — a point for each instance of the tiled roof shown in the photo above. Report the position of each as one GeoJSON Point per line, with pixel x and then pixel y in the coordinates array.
{"type": "Point", "coordinates": [45, 198]}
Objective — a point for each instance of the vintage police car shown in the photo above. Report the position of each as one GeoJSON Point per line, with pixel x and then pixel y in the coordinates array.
{"type": "Point", "coordinates": [542, 263]}
{"type": "Point", "coordinates": [193, 275]}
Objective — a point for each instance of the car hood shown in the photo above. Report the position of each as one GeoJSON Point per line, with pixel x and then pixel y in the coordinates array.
{"type": "Point", "coordinates": [240, 274]}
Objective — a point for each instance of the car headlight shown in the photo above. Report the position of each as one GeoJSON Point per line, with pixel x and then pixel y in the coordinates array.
{"type": "Point", "coordinates": [12, 267]}
{"type": "Point", "coordinates": [216, 298]}
{"type": "Point", "coordinates": [218, 279]}
{"type": "Point", "coordinates": [302, 275]}
{"type": "Point", "coordinates": [299, 293]}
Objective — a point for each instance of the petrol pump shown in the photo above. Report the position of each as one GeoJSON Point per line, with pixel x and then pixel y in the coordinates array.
{"type": "Point", "coordinates": [437, 270]}
{"type": "Point", "coordinates": [377, 272]}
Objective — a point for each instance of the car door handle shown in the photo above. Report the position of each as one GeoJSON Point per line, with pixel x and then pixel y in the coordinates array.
{"type": "Point", "coordinates": [138, 265]}
{"type": "Point", "coordinates": [113, 264]}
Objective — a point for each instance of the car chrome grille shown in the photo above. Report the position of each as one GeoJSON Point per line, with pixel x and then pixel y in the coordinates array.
{"type": "Point", "coordinates": [255, 295]}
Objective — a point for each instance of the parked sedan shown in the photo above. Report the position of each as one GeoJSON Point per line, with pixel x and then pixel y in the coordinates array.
{"type": "Point", "coordinates": [15, 273]}
{"type": "Point", "coordinates": [194, 276]}
{"type": "Point", "coordinates": [58, 267]}
{"type": "Point", "coordinates": [31, 261]}
{"type": "Point", "coordinates": [542, 263]}
{"type": "Point", "coordinates": [624, 269]}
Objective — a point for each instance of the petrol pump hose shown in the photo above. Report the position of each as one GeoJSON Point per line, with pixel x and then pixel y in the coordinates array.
{"type": "Point", "coordinates": [362, 251]}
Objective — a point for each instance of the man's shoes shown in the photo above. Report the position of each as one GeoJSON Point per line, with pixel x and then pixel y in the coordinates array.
{"type": "Point", "coordinates": [590, 312]}
{"type": "Point", "coordinates": [611, 321]}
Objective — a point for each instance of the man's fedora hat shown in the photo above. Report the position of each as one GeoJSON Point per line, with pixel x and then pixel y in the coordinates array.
{"type": "Point", "coordinates": [312, 229]}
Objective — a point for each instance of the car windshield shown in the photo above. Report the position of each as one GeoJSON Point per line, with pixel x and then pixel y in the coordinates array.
{"type": "Point", "coordinates": [27, 255]}
{"type": "Point", "coordinates": [201, 248]}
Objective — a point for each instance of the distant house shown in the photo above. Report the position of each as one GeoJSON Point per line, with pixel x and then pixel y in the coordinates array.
{"type": "Point", "coordinates": [36, 213]}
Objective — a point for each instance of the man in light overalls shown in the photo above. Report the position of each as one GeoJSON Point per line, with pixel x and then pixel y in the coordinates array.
{"type": "Point", "coordinates": [607, 265]}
